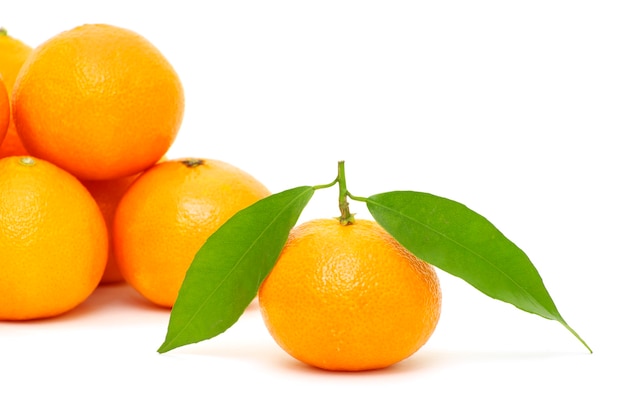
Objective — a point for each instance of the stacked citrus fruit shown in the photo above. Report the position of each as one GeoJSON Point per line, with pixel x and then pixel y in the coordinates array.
{"type": "Point", "coordinates": [94, 110]}
{"type": "Point", "coordinates": [87, 197]}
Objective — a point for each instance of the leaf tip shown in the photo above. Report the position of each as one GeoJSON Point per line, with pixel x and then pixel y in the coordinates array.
{"type": "Point", "coordinates": [165, 347]}
{"type": "Point", "coordinates": [573, 332]}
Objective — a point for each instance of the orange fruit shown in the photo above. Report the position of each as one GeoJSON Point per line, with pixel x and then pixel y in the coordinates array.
{"type": "Point", "coordinates": [53, 240]}
{"type": "Point", "coordinates": [168, 213]}
{"type": "Point", "coordinates": [107, 194]}
{"type": "Point", "coordinates": [13, 53]}
{"type": "Point", "coordinates": [349, 298]}
{"type": "Point", "coordinates": [99, 101]}
{"type": "Point", "coordinates": [5, 110]}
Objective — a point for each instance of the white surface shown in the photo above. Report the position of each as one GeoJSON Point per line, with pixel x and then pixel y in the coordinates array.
{"type": "Point", "coordinates": [516, 110]}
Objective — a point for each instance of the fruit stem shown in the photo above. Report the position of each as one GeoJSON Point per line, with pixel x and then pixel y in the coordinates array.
{"type": "Point", "coordinates": [27, 161]}
{"type": "Point", "coordinates": [3, 31]}
{"type": "Point", "coordinates": [193, 162]}
{"type": "Point", "coordinates": [346, 217]}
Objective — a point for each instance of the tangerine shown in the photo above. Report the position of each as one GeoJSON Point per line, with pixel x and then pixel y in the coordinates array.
{"type": "Point", "coordinates": [349, 297]}
{"type": "Point", "coordinates": [99, 101]}
{"type": "Point", "coordinates": [168, 213]}
{"type": "Point", "coordinates": [13, 53]}
{"type": "Point", "coordinates": [5, 110]}
{"type": "Point", "coordinates": [107, 194]}
{"type": "Point", "coordinates": [53, 240]}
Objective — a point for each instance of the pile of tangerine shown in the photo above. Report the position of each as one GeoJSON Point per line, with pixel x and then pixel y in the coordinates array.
{"type": "Point", "coordinates": [87, 196]}
{"type": "Point", "coordinates": [86, 192]}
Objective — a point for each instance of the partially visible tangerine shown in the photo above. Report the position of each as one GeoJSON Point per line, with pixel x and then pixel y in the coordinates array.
{"type": "Point", "coordinates": [107, 194]}
{"type": "Point", "coordinates": [13, 53]}
{"type": "Point", "coordinates": [5, 110]}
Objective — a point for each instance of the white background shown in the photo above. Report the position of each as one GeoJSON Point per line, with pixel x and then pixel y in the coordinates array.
{"type": "Point", "coordinates": [515, 109]}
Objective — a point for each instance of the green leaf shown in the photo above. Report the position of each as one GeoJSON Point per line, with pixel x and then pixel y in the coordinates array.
{"type": "Point", "coordinates": [227, 271]}
{"type": "Point", "coordinates": [463, 243]}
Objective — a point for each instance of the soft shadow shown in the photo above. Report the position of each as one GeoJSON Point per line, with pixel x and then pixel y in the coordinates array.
{"type": "Point", "coordinates": [444, 359]}
{"type": "Point", "coordinates": [112, 297]}
{"type": "Point", "coordinates": [262, 355]}
{"type": "Point", "coordinates": [407, 366]}
{"type": "Point", "coordinates": [254, 305]}
{"type": "Point", "coordinates": [426, 360]}
{"type": "Point", "coordinates": [105, 298]}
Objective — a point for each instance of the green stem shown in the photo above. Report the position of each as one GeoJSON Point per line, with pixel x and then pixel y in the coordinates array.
{"type": "Point", "coordinates": [346, 217]}
{"type": "Point", "coordinates": [326, 185]}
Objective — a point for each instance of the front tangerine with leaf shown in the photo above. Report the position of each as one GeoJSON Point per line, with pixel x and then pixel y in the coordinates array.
{"type": "Point", "coordinates": [349, 297]}
{"type": "Point", "coordinates": [99, 101]}
{"type": "Point", "coordinates": [53, 240]}
{"type": "Point", "coordinates": [167, 214]}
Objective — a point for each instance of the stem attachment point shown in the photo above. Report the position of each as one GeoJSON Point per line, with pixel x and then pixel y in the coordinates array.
{"type": "Point", "coordinates": [346, 217]}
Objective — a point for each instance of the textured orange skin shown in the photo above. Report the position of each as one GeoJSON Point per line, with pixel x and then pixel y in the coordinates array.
{"type": "Point", "coordinates": [5, 110]}
{"type": "Point", "coordinates": [13, 53]}
{"type": "Point", "coordinates": [100, 101]}
{"type": "Point", "coordinates": [107, 194]}
{"type": "Point", "coordinates": [53, 240]}
{"type": "Point", "coordinates": [349, 298]}
{"type": "Point", "coordinates": [168, 213]}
